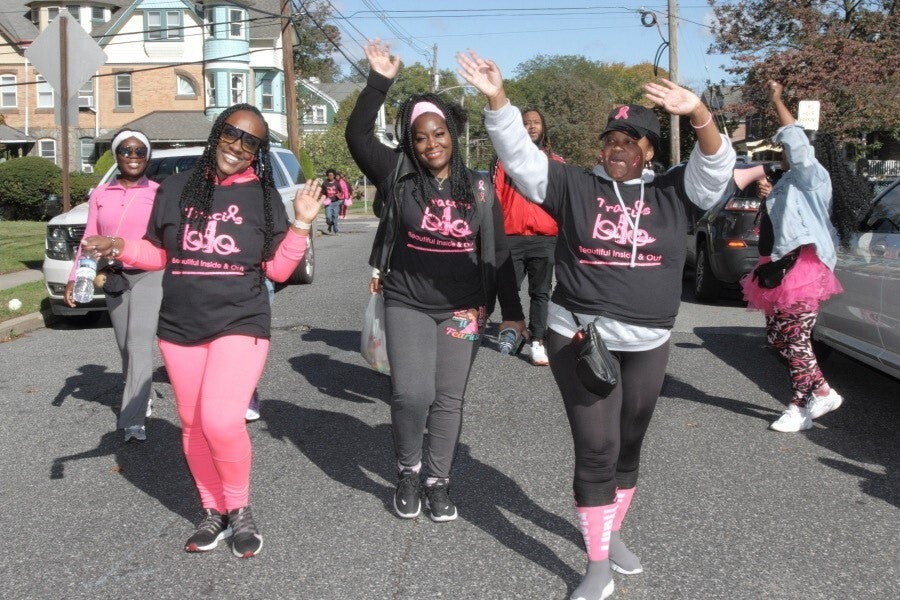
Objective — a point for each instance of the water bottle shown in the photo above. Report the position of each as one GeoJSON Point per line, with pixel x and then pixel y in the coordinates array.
{"type": "Point", "coordinates": [507, 340]}
{"type": "Point", "coordinates": [84, 280]}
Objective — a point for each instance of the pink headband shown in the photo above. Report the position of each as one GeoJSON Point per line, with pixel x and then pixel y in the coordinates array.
{"type": "Point", "coordinates": [424, 107]}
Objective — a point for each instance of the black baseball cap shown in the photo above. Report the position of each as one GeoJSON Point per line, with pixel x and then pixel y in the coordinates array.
{"type": "Point", "coordinates": [635, 120]}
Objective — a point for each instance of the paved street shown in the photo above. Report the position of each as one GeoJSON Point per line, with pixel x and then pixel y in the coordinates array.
{"type": "Point", "coordinates": [725, 509]}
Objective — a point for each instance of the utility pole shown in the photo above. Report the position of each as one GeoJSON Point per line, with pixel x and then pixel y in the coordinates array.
{"type": "Point", "coordinates": [674, 125]}
{"type": "Point", "coordinates": [290, 84]}
{"type": "Point", "coordinates": [435, 83]}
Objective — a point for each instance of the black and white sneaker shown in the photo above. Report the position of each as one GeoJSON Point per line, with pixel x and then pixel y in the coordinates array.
{"type": "Point", "coordinates": [246, 540]}
{"type": "Point", "coordinates": [212, 529]}
{"type": "Point", "coordinates": [407, 500]}
{"type": "Point", "coordinates": [438, 503]}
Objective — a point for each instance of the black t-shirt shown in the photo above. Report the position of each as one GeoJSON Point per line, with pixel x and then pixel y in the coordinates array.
{"type": "Point", "coordinates": [435, 262]}
{"type": "Point", "coordinates": [593, 250]}
{"type": "Point", "coordinates": [212, 285]}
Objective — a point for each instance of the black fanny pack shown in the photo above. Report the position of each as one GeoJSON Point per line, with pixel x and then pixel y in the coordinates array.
{"type": "Point", "coordinates": [596, 368]}
{"type": "Point", "coordinates": [770, 274]}
{"type": "Point", "coordinates": [116, 283]}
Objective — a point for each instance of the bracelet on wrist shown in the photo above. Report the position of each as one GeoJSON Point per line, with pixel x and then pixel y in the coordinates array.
{"type": "Point", "coordinates": [115, 251]}
{"type": "Point", "coordinates": [705, 123]}
{"type": "Point", "coordinates": [302, 225]}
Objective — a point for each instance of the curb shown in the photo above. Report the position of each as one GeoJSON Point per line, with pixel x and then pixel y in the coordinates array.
{"type": "Point", "coordinates": [14, 328]}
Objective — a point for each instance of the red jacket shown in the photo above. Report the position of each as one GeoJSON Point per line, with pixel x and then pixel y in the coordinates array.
{"type": "Point", "coordinates": [520, 216]}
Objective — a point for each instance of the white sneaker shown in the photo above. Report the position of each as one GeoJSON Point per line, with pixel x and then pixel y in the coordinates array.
{"type": "Point", "coordinates": [539, 354]}
{"type": "Point", "coordinates": [150, 407]}
{"type": "Point", "coordinates": [137, 432]}
{"type": "Point", "coordinates": [817, 406]}
{"type": "Point", "coordinates": [793, 419]}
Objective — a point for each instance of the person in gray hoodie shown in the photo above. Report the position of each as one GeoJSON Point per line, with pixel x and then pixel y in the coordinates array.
{"type": "Point", "coordinates": [619, 258]}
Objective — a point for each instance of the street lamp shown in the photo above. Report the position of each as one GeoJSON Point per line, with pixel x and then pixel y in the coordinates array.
{"type": "Point", "coordinates": [462, 103]}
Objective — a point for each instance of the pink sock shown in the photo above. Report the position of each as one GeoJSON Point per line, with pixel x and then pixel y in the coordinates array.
{"type": "Point", "coordinates": [623, 502]}
{"type": "Point", "coordinates": [596, 527]}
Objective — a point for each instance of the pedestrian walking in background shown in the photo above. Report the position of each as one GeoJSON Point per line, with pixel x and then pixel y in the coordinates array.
{"type": "Point", "coordinates": [219, 230]}
{"type": "Point", "coordinates": [331, 193]}
{"type": "Point", "coordinates": [440, 259]}
{"type": "Point", "coordinates": [122, 208]}
{"type": "Point", "coordinates": [797, 243]}
{"type": "Point", "coordinates": [618, 270]}
{"type": "Point", "coordinates": [531, 235]}
{"type": "Point", "coordinates": [344, 194]}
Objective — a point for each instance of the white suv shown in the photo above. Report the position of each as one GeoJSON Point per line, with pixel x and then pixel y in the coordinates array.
{"type": "Point", "coordinates": [64, 231]}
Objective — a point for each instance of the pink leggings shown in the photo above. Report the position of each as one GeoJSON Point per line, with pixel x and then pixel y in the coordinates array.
{"type": "Point", "coordinates": [212, 382]}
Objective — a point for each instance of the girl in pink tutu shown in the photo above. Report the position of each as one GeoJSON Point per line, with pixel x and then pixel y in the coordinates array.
{"type": "Point", "coordinates": [797, 256]}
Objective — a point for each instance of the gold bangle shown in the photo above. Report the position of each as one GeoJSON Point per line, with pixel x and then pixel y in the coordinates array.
{"type": "Point", "coordinates": [114, 252]}
{"type": "Point", "coordinates": [705, 123]}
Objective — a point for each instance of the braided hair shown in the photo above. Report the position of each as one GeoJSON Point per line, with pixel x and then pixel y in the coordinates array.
{"type": "Point", "coordinates": [196, 199]}
{"type": "Point", "coordinates": [455, 117]}
{"type": "Point", "coordinates": [851, 194]}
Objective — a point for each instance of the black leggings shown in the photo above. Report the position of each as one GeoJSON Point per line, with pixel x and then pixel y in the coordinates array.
{"type": "Point", "coordinates": [608, 432]}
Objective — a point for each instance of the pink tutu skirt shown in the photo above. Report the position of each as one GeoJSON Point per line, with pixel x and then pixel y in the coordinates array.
{"type": "Point", "coordinates": [807, 284]}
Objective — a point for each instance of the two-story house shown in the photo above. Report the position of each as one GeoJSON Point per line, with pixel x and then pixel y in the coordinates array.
{"type": "Point", "coordinates": [319, 104]}
{"type": "Point", "coordinates": [172, 67]}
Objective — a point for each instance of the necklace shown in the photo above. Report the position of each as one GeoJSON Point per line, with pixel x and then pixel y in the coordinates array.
{"type": "Point", "coordinates": [440, 182]}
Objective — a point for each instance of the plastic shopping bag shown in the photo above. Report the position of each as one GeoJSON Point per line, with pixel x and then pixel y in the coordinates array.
{"type": "Point", "coordinates": [373, 346]}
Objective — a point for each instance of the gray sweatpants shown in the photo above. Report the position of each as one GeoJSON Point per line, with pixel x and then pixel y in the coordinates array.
{"type": "Point", "coordinates": [134, 315]}
{"type": "Point", "coordinates": [431, 355]}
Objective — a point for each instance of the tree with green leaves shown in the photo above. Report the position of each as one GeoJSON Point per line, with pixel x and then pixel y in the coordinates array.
{"type": "Point", "coordinates": [843, 54]}
{"type": "Point", "coordinates": [316, 41]}
{"type": "Point", "coordinates": [329, 150]}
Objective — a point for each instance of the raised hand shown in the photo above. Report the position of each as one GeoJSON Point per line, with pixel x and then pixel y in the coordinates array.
{"type": "Point", "coordinates": [483, 74]}
{"type": "Point", "coordinates": [308, 201]}
{"type": "Point", "coordinates": [775, 90]}
{"type": "Point", "coordinates": [673, 98]}
{"type": "Point", "coordinates": [380, 60]}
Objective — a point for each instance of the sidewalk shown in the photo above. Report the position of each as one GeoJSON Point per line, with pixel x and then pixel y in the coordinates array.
{"type": "Point", "coordinates": [26, 323]}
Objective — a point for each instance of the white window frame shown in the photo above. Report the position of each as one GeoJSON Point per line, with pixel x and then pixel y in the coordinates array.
{"type": "Point", "coordinates": [211, 100]}
{"type": "Point", "coordinates": [95, 20]}
{"type": "Point", "coordinates": [118, 90]}
{"type": "Point", "coordinates": [267, 91]}
{"type": "Point", "coordinates": [42, 143]}
{"type": "Point", "coordinates": [11, 81]}
{"type": "Point", "coordinates": [209, 22]}
{"type": "Point", "coordinates": [238, 22]}
{"type": "Point", "coordinates": [86, 166]}
{"type": "Point", "coordinates": [44, 91]}
{"type": "Point", "coordinates": [52, 13]}
{"type": "Point", "coordinates": [75, 11]}
{"type": "Point", "coordinates": [180, 82]}
{"type": "Point", "coordinates": [168, 25]}
{"type": "Point", "coordinates": [316, 114]}
{"type": "Point", "coordinates": [237, 94]}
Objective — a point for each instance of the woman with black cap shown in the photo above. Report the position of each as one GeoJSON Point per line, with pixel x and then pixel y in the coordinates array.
{"type": "Point", "coordinates": [619, 258]}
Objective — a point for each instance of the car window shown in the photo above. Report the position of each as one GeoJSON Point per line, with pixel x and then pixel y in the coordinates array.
{"type": "Point", "coordinates": [291, 166]}
{"type": "Point", "coordinates": [885, 215]}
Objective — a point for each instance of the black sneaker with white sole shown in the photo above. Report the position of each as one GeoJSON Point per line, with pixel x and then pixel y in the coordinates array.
{"type": "Point", "coordinates": [212, 529]}
{"type": "Point", "coordinates": [438, 503]}
{"type": "Point", "coordinates": [246, 540]}
{"type": "Point", "coordinates": [407, 499]}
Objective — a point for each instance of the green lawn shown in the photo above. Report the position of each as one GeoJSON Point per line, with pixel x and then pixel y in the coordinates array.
{"type": "Point", "coordinates": [32, 295]}
{"type": "Point", "coordinates": [21, 245]}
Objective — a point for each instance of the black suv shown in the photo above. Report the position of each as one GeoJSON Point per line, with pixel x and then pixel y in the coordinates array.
{"type": "Point", "coordinates": [723, 242]}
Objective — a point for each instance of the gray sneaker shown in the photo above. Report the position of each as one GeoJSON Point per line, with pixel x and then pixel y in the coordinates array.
{"type": "Point", "coordinates": [135, 432]}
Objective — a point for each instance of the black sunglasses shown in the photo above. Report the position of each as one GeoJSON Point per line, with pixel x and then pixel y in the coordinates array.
{"type": "Point", "coordinates": [139, 151]}
{"type": "Point", "coordinates": [230, 133]}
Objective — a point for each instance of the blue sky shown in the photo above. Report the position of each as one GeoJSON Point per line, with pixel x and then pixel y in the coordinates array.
{"type": "Point", "coordinates": [513, 32]}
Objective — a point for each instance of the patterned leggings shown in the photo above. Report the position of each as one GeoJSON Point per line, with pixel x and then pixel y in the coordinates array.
{"type": "Point", "coordinates": [791, 335]}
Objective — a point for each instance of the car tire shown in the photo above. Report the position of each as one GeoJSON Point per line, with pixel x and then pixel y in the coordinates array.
{"type": "Point", "coordinates": [306, 270]}
{"type": "Point", "coordinates": [706, 286]}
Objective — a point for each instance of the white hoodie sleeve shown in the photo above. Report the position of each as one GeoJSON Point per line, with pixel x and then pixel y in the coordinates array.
{"type": "Point", "coordinates": [706, 177]}
{"type": "Point", "coordinates": [522, 160]}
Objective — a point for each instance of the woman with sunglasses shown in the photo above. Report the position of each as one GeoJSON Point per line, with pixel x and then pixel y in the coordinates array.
{"type": "Point", "coordinates": [122, 208]}
{"type": "Point", "coordinates": [219, 230]}
{"type": "Point", "coordinates": [441, 260]}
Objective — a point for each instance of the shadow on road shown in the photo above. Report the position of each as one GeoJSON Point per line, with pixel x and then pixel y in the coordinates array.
{"type": "Point", "coordinates": [93, 383]}
{"type": "Point", "coordinates": [348, 450]}
{"type": "Point", "coordinates": [343, 339]}
{"type": "Point", "coordinates": [342, 380]}
{"type": "Point", "coordinates": [155, 467]}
